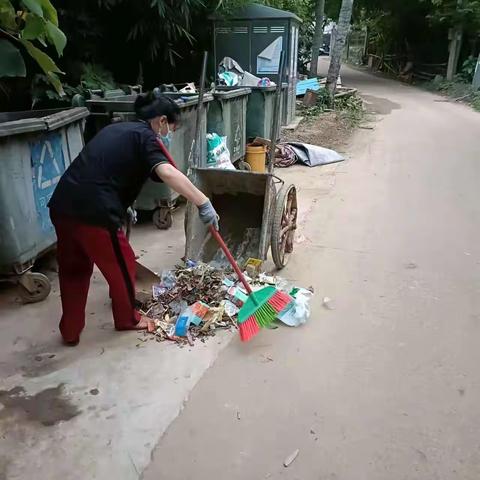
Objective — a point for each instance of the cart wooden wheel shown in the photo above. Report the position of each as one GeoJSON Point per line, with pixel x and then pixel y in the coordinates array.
{"type": "Point", "coordinates": [162, 218]}
{"type": "Point", "coordinates": [284, 225]}
{"type": "Point", "coordinates": [34, 287]}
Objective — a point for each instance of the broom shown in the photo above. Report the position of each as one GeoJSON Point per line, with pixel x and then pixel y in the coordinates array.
{"type": "Point", "coordinates": [262, 306]}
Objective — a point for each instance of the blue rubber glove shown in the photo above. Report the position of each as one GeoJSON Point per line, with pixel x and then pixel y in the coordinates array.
{"type": "Point", "coordinates": [208, 215]}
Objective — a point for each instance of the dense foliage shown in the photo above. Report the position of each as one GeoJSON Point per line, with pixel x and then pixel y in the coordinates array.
{"type": "Point", "coordinates": [418, 29]}
{"type": "Point", "coordinates": [113, 42]}
{"type": "Point", "coordinates": [27, 29]}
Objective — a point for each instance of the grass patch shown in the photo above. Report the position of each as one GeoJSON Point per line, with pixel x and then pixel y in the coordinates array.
{"type": "Point", "coordinates": [350, 108]}
{"type": "Point", "coordinates": [457, 90]}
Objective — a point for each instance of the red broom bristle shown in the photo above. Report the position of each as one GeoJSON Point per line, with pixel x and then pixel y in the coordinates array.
{"type": "Point", "coordinates": [279, 301]}
{"type": "Point", "coordinates": [248, 329]}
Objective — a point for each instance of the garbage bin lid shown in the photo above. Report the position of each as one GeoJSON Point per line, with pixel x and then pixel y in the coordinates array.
{"type": "Point", "coordinates": [232, 93]}
{"type": "Point", "coordinates": [14, 123]}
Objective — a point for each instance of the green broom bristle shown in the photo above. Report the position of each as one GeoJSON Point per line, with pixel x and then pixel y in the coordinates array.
{"type": "Point", "coordinates": [265, 315]}
{"type": "Point", "coordinates": [260, 310]}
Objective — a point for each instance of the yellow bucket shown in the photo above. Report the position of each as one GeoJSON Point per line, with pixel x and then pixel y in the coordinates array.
{"type": "Point", "coordinates": [256, 157]}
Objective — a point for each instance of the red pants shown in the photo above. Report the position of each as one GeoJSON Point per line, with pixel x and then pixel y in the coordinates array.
{"type": "Point", "coordinates": [79, 247]}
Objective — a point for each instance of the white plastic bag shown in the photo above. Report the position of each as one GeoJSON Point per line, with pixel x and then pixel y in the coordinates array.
{"type": "Point", "coordinates": [299, 311]}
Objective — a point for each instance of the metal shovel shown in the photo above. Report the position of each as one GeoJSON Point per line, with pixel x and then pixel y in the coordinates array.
{"type": "Point", "coordinates": [144, 277]}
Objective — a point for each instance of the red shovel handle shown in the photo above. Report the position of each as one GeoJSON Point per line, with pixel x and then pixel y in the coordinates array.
{"type": "Point", "coordinates": [230, 258]}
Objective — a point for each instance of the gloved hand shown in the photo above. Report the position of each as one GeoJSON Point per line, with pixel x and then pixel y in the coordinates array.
{"type": "Point", "coordinates": [208, 215]}
{"type": "Point", "coordinates": [132, 215]}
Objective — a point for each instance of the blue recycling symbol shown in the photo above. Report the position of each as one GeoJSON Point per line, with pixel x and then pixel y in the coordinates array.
{"type": "Point", "coordinates": [48, 165]}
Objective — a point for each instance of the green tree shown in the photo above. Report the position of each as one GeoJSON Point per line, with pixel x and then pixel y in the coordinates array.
{"type": "Point", "coordinates": [317, 40]}
{"type": "Point", "coordinates": [228, 5]}
{"type": "Point", "coordinates": [155, 26]}
{"type": "Point", "coordinates": [420, 29]}
{"type": "Point", "coordinates": [25, 27]}
{"type": "Point", "coordinates": [462, 17]}
{"type": "Point", "coordinates": [305, 10]}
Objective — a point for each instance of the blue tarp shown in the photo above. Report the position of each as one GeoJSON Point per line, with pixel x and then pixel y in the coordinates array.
{"type": "Point", "coordinates": [308, 84]}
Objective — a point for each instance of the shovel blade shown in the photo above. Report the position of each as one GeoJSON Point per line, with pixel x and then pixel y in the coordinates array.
{"type": "Point", "coordinates": [145, 279]}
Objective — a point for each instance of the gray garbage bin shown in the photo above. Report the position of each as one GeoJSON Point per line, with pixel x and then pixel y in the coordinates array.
{"type": "Point", "coordinates": [35, 149]}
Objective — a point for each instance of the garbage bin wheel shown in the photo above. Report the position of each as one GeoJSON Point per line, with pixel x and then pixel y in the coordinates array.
{"type": "Point", "coordinates": [34, 287]}
{"type": "Point", "coordinates": [244, 166]}
{"type": "Point", "coordinates": [162, 218]}
{"type": "Point", "coordinates": [284, 225]}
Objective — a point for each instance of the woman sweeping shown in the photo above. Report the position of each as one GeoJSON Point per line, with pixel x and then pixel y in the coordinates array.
{"type": "Point", "coordinates": [89, 208]}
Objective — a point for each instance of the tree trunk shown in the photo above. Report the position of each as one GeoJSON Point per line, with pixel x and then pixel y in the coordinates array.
{"type": "Point", "coordinates": [455, 37]}
{"type": "Point", "coordinates": [336, 54]}
{"type": "Point", "coordinates": [317, 41]}
{"type": "Point", "coordinates": [454, 51]}
{"type": "Point", "coordinates": [476, 76]}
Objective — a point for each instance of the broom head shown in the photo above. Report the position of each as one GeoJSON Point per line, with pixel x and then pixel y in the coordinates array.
{"type": "Point", "coordinates": [260, 311]}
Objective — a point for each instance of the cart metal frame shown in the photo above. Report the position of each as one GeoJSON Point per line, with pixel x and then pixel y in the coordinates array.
{"type": "Point", "coordinates": [258, 211]}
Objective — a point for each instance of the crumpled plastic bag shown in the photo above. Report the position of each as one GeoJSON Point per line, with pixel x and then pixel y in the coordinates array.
{"type": "Point", "coordinates": [189, 88]}
{"type": "Point", "coordinates": [229, 79]}
{"type": "Point", "coordinates": [298, 312]}
{"type": "Point", "coordinates": [230, 73]}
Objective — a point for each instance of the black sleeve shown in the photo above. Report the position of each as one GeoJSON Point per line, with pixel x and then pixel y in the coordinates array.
{"type": "Point", "coordinates": [152, 154]}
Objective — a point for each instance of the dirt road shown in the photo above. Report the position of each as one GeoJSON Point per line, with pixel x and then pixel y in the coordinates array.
{"type": "Point", "coordinates": [387, 384]}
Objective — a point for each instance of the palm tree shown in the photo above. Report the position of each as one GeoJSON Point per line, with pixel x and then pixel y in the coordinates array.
{"type": "Point", "coordinates": [343, 27]}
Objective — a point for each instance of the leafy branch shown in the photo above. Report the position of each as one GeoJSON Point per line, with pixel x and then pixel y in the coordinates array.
{"type": "Point", "coordinates": [35, 21]}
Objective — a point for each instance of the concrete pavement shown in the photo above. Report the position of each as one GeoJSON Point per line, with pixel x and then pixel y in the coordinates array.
{"type": "Point", "coordinates": [387, 384]}
{"type": "Point", "coordinates": [97, 410]}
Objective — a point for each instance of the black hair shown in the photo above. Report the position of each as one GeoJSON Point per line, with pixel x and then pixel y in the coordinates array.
{"type": "Point", "coordinates": [150, 105]}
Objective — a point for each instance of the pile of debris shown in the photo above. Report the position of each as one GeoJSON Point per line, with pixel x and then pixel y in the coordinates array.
{"type": "Point", "coordinates": [196, 300]}
{"type": "Point", "coordinates": [195, 285]}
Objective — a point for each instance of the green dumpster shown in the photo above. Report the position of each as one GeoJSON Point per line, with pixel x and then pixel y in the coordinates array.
{"type": "Point", "coordinates": [260, 112]}
{"type": "Point", "coordinates": [227, 116]}
{"type": "Point", "coordinates": [260, 107]}
{"type": "Point", "coordinates": [104, 111]}
{"type": "Point", "coordinates": [158, 197]}
{"type": "Point", "coordinates": [35, 149]}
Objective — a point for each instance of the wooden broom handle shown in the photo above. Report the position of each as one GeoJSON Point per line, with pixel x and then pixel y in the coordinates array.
{"type": "Point", "coordinates": [230, 258]}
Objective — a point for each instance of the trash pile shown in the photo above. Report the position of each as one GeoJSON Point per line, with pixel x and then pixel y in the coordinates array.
{"type": "Point", "coordinates": [196, 300]}
{"type": "Point", "coordinates": [231, 74]}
